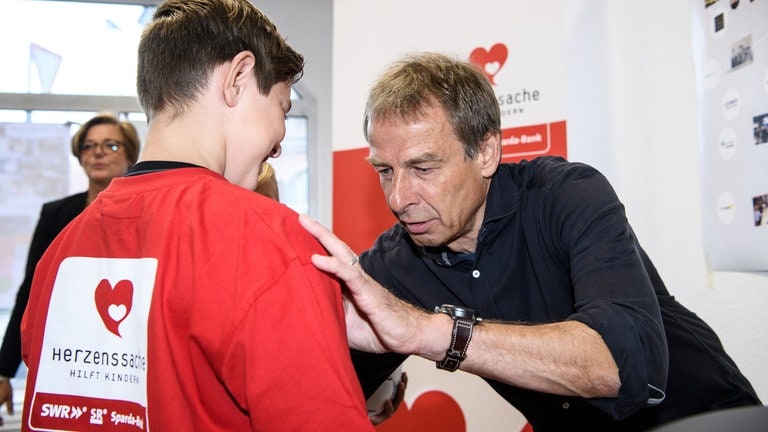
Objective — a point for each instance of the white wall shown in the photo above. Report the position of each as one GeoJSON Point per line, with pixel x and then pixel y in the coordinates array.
{"type": "Point", "coordinates": [632, 113]}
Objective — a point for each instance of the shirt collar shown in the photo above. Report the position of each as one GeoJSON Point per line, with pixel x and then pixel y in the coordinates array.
{"type": "Point", "coordinates": [503, 194]}
{"type": "Point", "coordinates": [444, 257]}
{"type": "Point", "coordinates": [501, 202]}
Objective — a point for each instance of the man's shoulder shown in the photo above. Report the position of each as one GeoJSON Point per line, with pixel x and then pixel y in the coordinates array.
{"type": "Point", "coordinates": [546, 170]}
{"type": "Point", "coordinates": [391, 240]}
{"type": "Point", "coordinates": [393, 247]}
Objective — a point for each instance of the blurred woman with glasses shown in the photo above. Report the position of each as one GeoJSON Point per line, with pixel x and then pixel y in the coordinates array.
{"type": "Point", "coordinates": [106, 147]}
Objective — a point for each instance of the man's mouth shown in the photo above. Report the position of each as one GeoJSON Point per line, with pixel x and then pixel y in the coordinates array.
{"type": "Point", "coordinates": [417, 227]}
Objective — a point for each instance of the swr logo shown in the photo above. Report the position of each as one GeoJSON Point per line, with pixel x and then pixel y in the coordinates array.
{"type": "Point", "coordinates": [61, 411]}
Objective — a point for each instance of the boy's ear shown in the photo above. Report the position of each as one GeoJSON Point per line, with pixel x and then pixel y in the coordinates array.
{"type": "Point", "coordinates": [237, 77]}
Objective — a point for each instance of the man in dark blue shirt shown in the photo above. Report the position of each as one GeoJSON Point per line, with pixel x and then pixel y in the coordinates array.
{"type": "Point", "coordinates": [527, 275]}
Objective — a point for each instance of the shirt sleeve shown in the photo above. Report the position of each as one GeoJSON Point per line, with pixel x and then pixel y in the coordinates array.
{"type": "Point", "coordinates": [613, 292]}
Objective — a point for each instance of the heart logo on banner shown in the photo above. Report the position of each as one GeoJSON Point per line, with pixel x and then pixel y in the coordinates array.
{"type": "Point", "coordinates": [490, 61]}
{"type": "Point", "coordinates": [114, 303]}
{"type": "Point", "coordinates": [431, 411]}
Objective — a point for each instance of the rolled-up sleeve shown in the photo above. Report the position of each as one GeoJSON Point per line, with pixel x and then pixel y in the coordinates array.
{"type": "Point", "coordinates": [612, 290]}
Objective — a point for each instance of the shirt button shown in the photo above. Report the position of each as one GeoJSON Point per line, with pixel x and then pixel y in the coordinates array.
{"type": "Point", "coordinates": [475, 274]}
{"type": "Point", "coordinates": [566, 405]}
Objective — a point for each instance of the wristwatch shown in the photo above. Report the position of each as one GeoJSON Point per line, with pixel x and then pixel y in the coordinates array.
{"type": "Point", "coordinates": [464, 321]}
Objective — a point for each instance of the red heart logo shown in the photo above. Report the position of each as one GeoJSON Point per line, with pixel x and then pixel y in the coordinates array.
{"type": "Point", "coordinates": [114, 304]}
{"type": "Point", "coordinates": [431, 411]}
{"type": "Point", "coordinates": [490, 61]}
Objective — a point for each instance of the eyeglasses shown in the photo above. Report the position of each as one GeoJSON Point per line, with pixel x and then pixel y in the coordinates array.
{"type": "Point", "coordinates": [109, 146]}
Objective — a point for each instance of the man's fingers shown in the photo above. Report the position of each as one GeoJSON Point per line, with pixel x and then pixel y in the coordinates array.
{"type": "Point", "coordinates": [334, 245]}
{"type": "Point", "coordinates": [337, 248]}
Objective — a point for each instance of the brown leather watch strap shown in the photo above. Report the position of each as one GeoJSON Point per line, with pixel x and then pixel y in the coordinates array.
{"type": "Point", "coordinates": [463, 325]}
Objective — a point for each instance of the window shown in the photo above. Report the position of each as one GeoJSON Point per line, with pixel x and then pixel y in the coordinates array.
{"type": "Point", "coordinates": [62, 47]}
{"type": "Point", "coordinates": [67, 60]}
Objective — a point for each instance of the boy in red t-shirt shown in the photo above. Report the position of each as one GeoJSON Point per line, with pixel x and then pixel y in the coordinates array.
{"type": "Point", "coordinates": [180, 299]}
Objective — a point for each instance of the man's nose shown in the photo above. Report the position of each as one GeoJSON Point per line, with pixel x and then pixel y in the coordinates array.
{"type": "Point", "coordinates": [401, 192]}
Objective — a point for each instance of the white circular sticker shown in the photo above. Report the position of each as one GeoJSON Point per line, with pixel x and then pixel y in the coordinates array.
{"type": "Point", "coordinates": [727, 144]}
{"type": "Point", "coordinates": [726, 207]}
{"type": "Point", "coordinates": [712, 72]}
{"type": "Point", "coordinates": [731, 103]}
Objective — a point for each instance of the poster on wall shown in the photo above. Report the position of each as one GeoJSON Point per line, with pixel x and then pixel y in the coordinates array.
{"type": "Point", "coordinates": [731, 58]}
{"type": "Point", "coordinates": [531, 123]}
{"type": "Point", "coordinates": [34, 168]}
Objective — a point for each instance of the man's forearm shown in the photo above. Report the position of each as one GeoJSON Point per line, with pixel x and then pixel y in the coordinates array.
{"type": "Point", "coordinates": [566, 358]}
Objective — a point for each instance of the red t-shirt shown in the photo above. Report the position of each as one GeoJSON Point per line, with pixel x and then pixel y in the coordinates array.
{"type": "Point", "coordinates": [177, 302]}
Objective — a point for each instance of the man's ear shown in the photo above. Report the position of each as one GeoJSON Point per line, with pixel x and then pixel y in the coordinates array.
{"type": "Point", "coordinates": [490, 154]}
{"type": "Point", "coordinates": [238, 76]}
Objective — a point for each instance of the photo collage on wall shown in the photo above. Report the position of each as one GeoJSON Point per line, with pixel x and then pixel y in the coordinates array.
{"type": "Point", "coordinates": [731, 55]}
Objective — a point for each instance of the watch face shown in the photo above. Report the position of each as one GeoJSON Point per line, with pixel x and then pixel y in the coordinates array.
{"type": "Point", "coordinates": [459, 312]}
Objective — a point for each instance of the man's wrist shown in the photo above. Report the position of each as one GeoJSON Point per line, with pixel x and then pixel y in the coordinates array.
{"type": "Point", "coordinates": [464, 321]}
{"type": "Point", "coordinates": [438, 338]}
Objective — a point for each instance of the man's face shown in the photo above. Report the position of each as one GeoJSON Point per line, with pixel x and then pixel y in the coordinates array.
{"type": "Point", "coordinates": [434, 190]}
